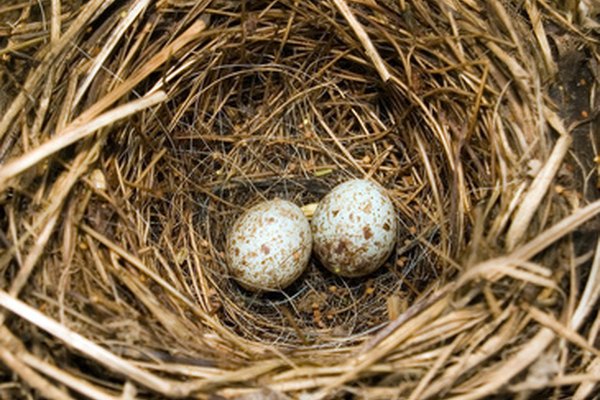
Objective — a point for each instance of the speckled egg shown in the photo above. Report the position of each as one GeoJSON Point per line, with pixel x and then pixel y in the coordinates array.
{"type": "Point", "coordinates": [269, 246]}
{"type": "Point", "coordinates": [354, 228]}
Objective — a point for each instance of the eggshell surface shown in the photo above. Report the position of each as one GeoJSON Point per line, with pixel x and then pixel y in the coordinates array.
{"type": "Point", "coordinates": [354, 228]}
{"type": "Point", "coordinates": [269, 246]}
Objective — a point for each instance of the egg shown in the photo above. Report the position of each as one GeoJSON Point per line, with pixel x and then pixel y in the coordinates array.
{"type": "Point", "coordinates": [354, 228]}
{"type": "Point", "coordinates": [269, 246]}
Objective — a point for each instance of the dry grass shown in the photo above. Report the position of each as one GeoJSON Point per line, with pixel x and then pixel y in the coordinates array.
{"type": "Point", "coordinates": [133, 133]}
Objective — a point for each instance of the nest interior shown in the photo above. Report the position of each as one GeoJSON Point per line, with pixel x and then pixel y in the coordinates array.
{"type": "Point", "coordinates": [134, 133]}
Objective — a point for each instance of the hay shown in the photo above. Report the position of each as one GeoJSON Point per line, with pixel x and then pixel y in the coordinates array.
{"type": "Point", "coordinates": [132, 134]}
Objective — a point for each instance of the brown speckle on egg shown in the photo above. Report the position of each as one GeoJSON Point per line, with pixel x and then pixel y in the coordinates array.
{"type": "Point", "coordinates": [265, 249]}
{"type": "Point", "coordinates": [341, 247]}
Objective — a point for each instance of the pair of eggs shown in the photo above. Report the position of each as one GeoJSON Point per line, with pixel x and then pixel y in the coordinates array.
{"type": "Point", "coordinates": [352, 232]}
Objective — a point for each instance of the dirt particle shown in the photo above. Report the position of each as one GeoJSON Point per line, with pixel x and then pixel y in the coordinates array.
{"type": "Point", "coordinates": [368, 207]}
{"type": "Point", "coordinates": [367, 233]}
{"type": "Point", "coordinates": [386, 227]}
{"type": "Point", "coordinates": [335, 212]}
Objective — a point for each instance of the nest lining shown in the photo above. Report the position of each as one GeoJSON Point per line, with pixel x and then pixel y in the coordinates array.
{"type": "Point", "coordinates": [281, 100]}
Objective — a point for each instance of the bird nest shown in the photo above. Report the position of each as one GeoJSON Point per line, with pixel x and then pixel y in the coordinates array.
{"type": "Point", "coordinates": [134, 133]}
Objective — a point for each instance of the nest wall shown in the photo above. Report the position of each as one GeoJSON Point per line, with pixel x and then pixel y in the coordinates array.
{"type": "Point", "coordinates": [135, 133]}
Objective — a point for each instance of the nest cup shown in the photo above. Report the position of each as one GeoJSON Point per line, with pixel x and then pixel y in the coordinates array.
{"type": "Point", "coordinates": [144, 129]}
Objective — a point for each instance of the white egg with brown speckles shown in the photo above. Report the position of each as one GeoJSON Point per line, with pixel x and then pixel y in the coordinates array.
{"type": "Point", "coordinates": [269, 246]}
{"type": "Point", "coordinates": [354, 228]}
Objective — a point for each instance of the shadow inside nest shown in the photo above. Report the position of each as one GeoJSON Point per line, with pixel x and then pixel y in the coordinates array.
{"type": "Point", "coordinates": [319, 308]}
